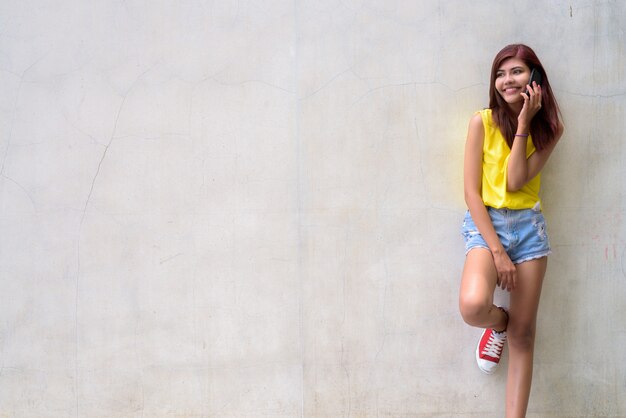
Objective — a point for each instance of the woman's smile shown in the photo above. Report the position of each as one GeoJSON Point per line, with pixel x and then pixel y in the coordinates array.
{"type": "Point", "coordinates": [511, 79]}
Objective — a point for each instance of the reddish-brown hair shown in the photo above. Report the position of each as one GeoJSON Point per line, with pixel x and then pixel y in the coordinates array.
{"type": "Point", "coordinates": [545, 124]}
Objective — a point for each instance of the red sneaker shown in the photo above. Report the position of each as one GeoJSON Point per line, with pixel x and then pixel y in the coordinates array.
{"type": "Point", "coordinates": [489, 350]}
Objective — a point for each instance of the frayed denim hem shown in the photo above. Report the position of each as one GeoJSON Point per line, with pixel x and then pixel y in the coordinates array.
{"type": "Point", "coordinates": [533, 257]}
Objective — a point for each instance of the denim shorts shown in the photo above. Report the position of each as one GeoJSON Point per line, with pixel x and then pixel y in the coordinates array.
{"type": "Point", "coordinates": [522, 233]}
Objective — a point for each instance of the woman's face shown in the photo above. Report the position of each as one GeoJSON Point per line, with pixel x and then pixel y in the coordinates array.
{"type": "Point", "coordinates": [511, 80]}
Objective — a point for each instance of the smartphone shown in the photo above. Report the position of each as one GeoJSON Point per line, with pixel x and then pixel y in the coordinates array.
{"type": "Point", "coordinates": [535, 75]}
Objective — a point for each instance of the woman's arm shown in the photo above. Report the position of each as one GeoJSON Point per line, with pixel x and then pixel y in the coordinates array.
{"type": "Point", "coordinates": [472, 181]}
{"type": "Point", "coordinates": [520, 170]}
{"type": "Point", "coordinates": [534, 164]}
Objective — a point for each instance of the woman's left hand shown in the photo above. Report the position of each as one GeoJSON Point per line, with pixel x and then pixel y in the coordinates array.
{"type": "Point", "coordinates": [532, 104]}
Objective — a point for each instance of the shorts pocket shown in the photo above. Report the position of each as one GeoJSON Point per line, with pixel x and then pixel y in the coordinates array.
{"type": "Point", "coordinates": [539, 223]}
{"type": "Point", "coordinates": [469, 230]}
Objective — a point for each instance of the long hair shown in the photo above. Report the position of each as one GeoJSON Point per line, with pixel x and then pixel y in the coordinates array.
{"type": "Point", "coordinates": [545, 124]}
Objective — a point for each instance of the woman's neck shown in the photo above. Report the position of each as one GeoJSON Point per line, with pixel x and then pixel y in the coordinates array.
{"type": "Point", "coordinates": [516, 107]}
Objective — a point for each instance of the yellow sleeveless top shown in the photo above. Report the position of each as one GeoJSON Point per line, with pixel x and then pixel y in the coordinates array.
{"type": "Point", "coordinates": [495, 161]}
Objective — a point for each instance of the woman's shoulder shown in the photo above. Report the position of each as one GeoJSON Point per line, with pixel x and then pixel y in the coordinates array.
{"type": "Point", "coordinates": [476, 119]}
{"type": "Point", "coordinates": [476, 124]}
{"type": "Point", "coordinates": [482, 117]}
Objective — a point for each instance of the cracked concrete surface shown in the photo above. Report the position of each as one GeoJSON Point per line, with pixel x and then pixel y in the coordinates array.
{"type": "Point", "coordinates": [254, 208]}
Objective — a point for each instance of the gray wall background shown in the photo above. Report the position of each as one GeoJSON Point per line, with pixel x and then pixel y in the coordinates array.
{"type": "Point", "coordinates": [253, 208]}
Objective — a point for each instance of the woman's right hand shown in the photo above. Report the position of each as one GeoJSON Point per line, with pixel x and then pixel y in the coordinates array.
{"type": "Point", "coordinates": [532, 105]}
{"type": "Point", "coordinates": [507, 273]}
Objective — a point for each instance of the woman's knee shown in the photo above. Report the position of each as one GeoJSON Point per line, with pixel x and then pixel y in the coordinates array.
{"type": "Point", "coordinates": [474, 309]}
{"type": "Point", "coordinates": [521, 335]}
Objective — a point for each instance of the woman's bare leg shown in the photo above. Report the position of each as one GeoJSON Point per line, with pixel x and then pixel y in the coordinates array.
{"type": "Point", "coordinates": [477, 286]}
{"type": "Point", "coordinates": [521, 334]}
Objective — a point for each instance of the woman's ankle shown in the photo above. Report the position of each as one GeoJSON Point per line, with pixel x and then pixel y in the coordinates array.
{"type": "Point", "coordinates": [506, 320]}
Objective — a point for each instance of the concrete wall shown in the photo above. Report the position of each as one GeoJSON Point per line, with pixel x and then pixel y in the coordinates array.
{"type": "Point", "coordinates": [253, 208]}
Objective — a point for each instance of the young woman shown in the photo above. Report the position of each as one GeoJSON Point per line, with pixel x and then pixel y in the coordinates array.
{"type": "Point", "coordinates": [505, 235]}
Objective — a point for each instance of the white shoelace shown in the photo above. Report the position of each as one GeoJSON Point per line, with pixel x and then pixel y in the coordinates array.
{"type": "Point", "coordinates": [493, 348]}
